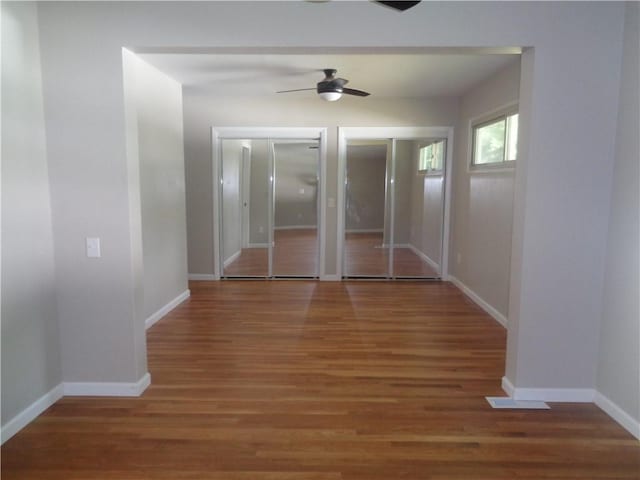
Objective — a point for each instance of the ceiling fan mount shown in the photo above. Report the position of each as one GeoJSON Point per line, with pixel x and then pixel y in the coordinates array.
{"type": "Point", "coordinates": [331, 88]}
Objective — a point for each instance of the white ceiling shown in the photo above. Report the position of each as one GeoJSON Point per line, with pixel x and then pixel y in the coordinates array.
{"type": "Point", "coordinates": [383, 75]}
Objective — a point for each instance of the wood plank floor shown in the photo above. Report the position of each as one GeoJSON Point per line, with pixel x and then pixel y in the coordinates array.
{"type": "Point", "coordinates": [321, 380]}
{"type": "Point", "coordinates": [365, 256]}
{"type": "Point", "coordinates": [295, 253]}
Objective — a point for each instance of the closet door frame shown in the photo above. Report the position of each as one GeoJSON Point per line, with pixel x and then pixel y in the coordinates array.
{"type": "Point", "coordinates": [393, 133]}
{"type": "Point", "coordinates": [218, 134]}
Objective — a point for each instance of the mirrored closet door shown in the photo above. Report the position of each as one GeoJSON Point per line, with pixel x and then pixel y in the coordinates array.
{"type": "Point", "coordinates": [394, 208]}
{"type": "Point", "coordinates": [268, 208]}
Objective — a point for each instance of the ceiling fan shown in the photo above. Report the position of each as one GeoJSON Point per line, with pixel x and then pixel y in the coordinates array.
{"type": "Point", "coordinates": [331, 88]}
{"type": "Point", "coordinates": [402, 6]}
{"type": "Point", "coordinates": [396, 5]}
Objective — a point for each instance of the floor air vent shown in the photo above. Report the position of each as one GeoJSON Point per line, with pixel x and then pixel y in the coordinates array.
{"type": "Point", "coordinates": [508, 403]}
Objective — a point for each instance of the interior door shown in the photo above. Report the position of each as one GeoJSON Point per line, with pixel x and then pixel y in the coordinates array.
{"type": "Point", "coordinates": [245, 230]}
{"type": "Point", "coordinates": [418, 207]}
{"type": "Point", "coordinates": [394, 208]}
{"type": "Point", "coordinates": [295, 208]}
{"type": "Point", "coordinates": [367, 208]}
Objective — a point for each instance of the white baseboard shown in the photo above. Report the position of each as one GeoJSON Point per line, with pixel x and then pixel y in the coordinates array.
{"type": "Point", "coordinates": [425, 257]}
{"type": "Point", "coordinates": [202, 277]}
{"type": "Point", "coordinates": [575, 395]}
{"type": "Point", "coordinates": [508, 387]}
{"type": "Point", "coordinates": [92, 389]}
{"type": "Point", "coordinates": [330, 278]}
{"type": "Point", "coordinates": [568, 395]}
{"type": "Point", "coordinates": [166, 309]}
{"type": "Point", "coordinates": [614, 411]}
{"type": "Point", "coordinates": [232, 258]}
{"type": "Point", "coordinates": [258, 245]}
{"type": "Point", "coordinates": [107, 389]}
{"type": "Point", "coordinates": [501, 319]}
{"type": "Point", "coordinates": [365, 230]}
{"type": "Point", "coordinates": [27, 415]}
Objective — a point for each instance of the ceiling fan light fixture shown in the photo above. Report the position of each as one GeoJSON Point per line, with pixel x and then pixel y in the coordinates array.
{"type": "Point", "coordinates": [330, 96]}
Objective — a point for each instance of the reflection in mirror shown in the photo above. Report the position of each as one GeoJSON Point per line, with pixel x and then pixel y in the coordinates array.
{"type": "Point", "coordinates": [244, 208]}
{"type": "Point", "coordinates": [419, 208]}
{"type": "Point", "coordinates": [366, 208]}
{"type": "Point", "coordinates": [295, 233]}
{"type": "Point", "coordinates": [394, 208]}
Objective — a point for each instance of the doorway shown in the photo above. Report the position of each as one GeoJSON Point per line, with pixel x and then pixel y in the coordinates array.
{"type": "Point", "coordinates": [268, 217]}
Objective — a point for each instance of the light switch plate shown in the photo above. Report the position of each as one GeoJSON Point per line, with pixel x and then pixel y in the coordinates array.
{"type": "Point", "coordinates": [93, 247]}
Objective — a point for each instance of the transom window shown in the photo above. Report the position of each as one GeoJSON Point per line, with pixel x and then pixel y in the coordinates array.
{"type": "Point", "coordinates": [431, 158]}
{"type": "Point", "coordinates": [495, 142]}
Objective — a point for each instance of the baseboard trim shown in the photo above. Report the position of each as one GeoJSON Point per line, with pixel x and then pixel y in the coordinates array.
{"type": "Point", "coordinates": [508, 387]}
{"type": "Point", "coordinates": [568, 395]}
{"type": "Point", "coordinates": [425, 257]}
{"type": "Point", "coordinates": [107, 389]}
{"type": "Point", "coordinates": [575, 395]}
{"type": "Point", "coordinates": [630, 424]}
{"type": "Point", "coordinates": [258, 245]}
{"type": "Point", "coordinates": [202, 277]}
{"type": "Point", "coordinates": [232, 258]}
{"type": "Point", "coordinates": [149, 322]}
{"type": "Point", "coordinates": [84, 389]}
{"type": "Point", "coordinates": [501, 319]}
{"type": "Point", "coordinates": [30, 413]}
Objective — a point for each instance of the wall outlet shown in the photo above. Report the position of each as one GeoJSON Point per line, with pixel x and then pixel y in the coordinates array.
{"type": "Point", "coordinates": [458, 258]}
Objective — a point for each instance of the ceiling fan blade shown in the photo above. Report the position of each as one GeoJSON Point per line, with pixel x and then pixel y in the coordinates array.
{"type": "Point", "coordinates": [296, 90]}
{"type": "Point", "coordinates": [401, 6]}
{"type": "Point", "coordinates": [357, 93]}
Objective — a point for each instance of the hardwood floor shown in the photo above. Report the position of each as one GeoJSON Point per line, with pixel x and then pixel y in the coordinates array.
{"type": "Point", "coordinates": [324, 381]}
{"type": "Point", "coordinates": [365, 256]}
{"type": "Point", "coordinates": [295, 253]}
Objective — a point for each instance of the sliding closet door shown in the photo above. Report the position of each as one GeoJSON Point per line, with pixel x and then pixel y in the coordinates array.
{"type": "Point", "coordinates": [367, 208]}
{"type": "Point", "coordinates": [394, 205]}
{"type": "Point", "coordinates": [418, 208]}
{"type": "Point", "coordinates": [244, 208]}
{"type": "Point", "coordinates": [295, 194]}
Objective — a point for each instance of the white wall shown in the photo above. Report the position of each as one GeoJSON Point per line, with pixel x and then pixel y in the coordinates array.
{"type": "Point", "coordinates": [619, 355]}
{"type": "Point", "coordinates": [561, 207]}
{"type": "Point", "coordinates": [157, 101]}
{"type": "Point", "coordinates": [95, 192]}
{"type": "Point", "coordinates": [483, 200]}
{"type": "Point", "coordinates": [201, 111]}
{"type": "Point", "coordinates": [30, 342]}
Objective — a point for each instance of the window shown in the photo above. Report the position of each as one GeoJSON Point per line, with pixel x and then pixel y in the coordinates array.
{"type": "Point", "coordinates": [431, 158]}
{"type": "Point", "coordinates": [495, 142]}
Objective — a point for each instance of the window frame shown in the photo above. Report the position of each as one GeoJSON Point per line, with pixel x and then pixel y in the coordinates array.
{"type": "Point", "coordinates": [433, 171]}
{"type": "Point", "coordinates": [502, 113]}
